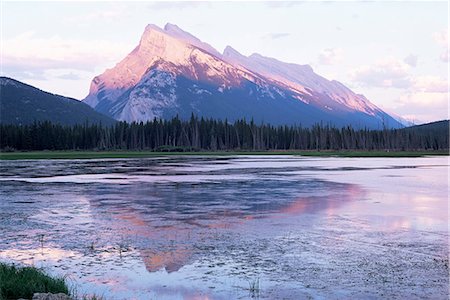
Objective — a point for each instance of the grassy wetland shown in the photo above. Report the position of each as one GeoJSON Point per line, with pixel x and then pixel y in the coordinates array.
{"type": "Point", "coordinates": [149, 154]}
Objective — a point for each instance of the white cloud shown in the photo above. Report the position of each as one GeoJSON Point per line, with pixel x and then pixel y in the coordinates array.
{"type": "Point", "coordinates": [282, 4]}
{"type": "Point", "coordinates": [430, 84]}
{"type": "Point", "coordinates": [441, 38]}
{"type": "Point", "coordinates": [392, 73]}
{"type": "Point", "coordinates": [387, 72]}
{"type": "Point", "coordinates": [177, 5]}
{"type": "Point", "coordinates": [411, 60]}
{"type": "Point", "coordinates": [69, 76]}
{"type": "Point", "coordinates": [330, 56]}
{"type": "Point", "coordinates": [114, 12]}
{"type": "Point", "coordinates": [421, 107]}
{"type": "Point", "coordinates": [110, 15]}
{"type": "Point", "coordinates": [424, 99]}
{"type": "Point", "coordinates": [277, 35]}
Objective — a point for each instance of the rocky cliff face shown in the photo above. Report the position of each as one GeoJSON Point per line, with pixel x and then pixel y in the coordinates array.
{"type": "Point", "coordinates": [173, 73]}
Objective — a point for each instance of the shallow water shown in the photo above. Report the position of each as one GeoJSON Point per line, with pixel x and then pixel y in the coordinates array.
{"type": "Point", "coordinates": [232, 227]}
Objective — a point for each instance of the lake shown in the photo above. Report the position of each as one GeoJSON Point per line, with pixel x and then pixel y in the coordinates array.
{"type": "Point", "coordinates": [232, 227]}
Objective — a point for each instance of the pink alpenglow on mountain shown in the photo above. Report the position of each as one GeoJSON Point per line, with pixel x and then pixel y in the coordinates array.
{"type": "Point", "coordinates": [171, 72]}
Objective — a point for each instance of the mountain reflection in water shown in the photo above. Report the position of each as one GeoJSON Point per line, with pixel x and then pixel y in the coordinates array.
{"type": "Point", "coordinates": [169, 220]}
{"type": "Point", "coordinates": [206, 227]}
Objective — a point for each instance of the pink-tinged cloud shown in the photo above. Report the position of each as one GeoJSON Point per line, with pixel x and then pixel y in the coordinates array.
{"type": "Point", "coordinates": [388, 72]}
{"type": "Point", "coordinates": [424, 100]}
{"type": "Point", "coordinates": [330, 56]}
{"type": "Point", "coordinates": [422, 107]}
{"type": "Point", "coordinates": [441, 38]}
{"type": "Point", "coordinates": [430, 84]}
{"type": "Point", "coordinates": [26, 52]}
{"type": "Point", "coordinates": [392, 73]}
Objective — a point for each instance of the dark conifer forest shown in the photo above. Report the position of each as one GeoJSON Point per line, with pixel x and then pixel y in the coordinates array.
{"type": "Point", "coordinates": [212, 135]}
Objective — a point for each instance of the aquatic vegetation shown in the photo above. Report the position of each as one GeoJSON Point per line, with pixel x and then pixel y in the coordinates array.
{"type": "Point", "coordinates": [224, 227]}
{"type": "Point", "coordinates": [253, 287]}
{"type": "Point", "coordinates": [23, 282]}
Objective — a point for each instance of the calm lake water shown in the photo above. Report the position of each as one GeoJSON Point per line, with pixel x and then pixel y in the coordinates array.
{"type": "Point", "coordinates": [236, 227]}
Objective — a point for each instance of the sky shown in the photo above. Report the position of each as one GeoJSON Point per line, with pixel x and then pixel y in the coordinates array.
{"type": "Point", "coordinates": [396, 53]}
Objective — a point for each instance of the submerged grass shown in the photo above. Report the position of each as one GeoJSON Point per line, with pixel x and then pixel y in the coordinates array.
{"type": "Point", "coordinates": [254, 288]}
{"type": "Point", "coordinates": [144, 154]}
{"type": "Point", "coordinates": [23, 282]}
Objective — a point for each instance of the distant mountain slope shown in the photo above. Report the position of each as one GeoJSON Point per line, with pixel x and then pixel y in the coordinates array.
{"type": "Point", "coordinates": [302, 78]}
{"type": "Point", "coordinates": [23, 104]}
{"type": "Point", "coordinates": [434, 135]}
{"type": "Point", "coordinates": [441, 127]}
{"type": "Point", "coordinates": [171, 72]}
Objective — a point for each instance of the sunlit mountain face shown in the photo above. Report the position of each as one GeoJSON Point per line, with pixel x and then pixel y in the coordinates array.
{"type": "Point", "coordinates": [172, 73]}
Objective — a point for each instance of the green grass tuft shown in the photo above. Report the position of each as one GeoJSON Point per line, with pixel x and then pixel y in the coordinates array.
{"type": "Point", "coordinates": [23, 282]}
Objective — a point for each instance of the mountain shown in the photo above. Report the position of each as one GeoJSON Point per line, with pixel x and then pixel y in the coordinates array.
{"type": "Point", "coordinates": [438, 128]}
{"type": "Point", "coordinates": [23, 104]}
{"type": "Point", "coordinates": [405, 122]}
{"type": "Point", "coordinates": [436, 134]}
{"type": "Point", "coordinates": [171, 73]}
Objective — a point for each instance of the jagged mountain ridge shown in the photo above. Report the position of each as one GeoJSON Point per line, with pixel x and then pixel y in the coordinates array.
{"type": "Point", "coordinates": [171, 72]}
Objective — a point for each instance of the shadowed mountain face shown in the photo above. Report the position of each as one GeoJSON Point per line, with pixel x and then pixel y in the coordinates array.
{"type": "Point", "coordinates": [441, 127]}
{"type": "Point", "coordinates": [23, 104]}
{"type": "Point", "coordinates": [173, 73]}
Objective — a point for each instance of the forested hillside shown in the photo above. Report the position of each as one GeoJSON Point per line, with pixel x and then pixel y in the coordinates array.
{"type": "Point", "coordinates": [22, 104]}
{"type": "Point", "coordinates": [201, 134]}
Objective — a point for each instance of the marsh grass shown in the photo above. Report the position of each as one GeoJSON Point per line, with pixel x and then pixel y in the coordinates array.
{"type": "Point", "coordinates": [92, 297]}
{"type": "Point", "coordinates": [145, 154]}
{"type": "Point", "coordinates": [254, 289]}
{"type": "Point", "coordinates": [23, 282]}
{"type": "Point", "coordinates": [41, 240]}
{"type": "Point", "coordinates": [122, 247]}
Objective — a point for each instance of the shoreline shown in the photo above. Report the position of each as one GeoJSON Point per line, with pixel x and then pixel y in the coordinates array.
{"type": "Point", "coordinates": [149, 154]}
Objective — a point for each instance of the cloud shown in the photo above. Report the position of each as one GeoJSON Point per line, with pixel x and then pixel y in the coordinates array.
{"type": "Point", "coordinates": [171, 5]}
{"type": "Point", "coordinates": [384, 73]}
{"type": "Point", "coordinates": [421, 107]}
{"type": "Point", "coordinates": [441, 38]}
{"type": "Point", "coordinates": [277, 35]}
{"type": "Point", "coordinates": [430, 84]}
{"type": "Point", "coordinates": [282, 4]}
{"type": "Point", "coordinates": [424, 99]}
{"type": "Point", "coordinates": [22, 72]}
{"type": "Point", "coordinates": [411, 60]}
{"type": "Point", "coordinates": [28, 54]}
{"type": "Point", "coordinates": [69, 76]}
{"type": "Point", "coordinates": [116, 12]}
{"type": "Point", "coordinates": [109, 15]}
{"type": "Point", "coordinates": [330, 56]}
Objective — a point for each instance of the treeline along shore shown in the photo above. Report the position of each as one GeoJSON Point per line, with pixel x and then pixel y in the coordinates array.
{"type": "Point", "coordinates": [198, 134]}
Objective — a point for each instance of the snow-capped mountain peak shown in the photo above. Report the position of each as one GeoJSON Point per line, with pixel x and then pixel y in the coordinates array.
{"type": "Point", "coordinates": [178, 33]}
{"type": "Point", "coordinates": [173, 72]}
{"type": "Point", "coordinates": [231, 52]}
{"type": "Point", "coordinates": [303, 79]}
